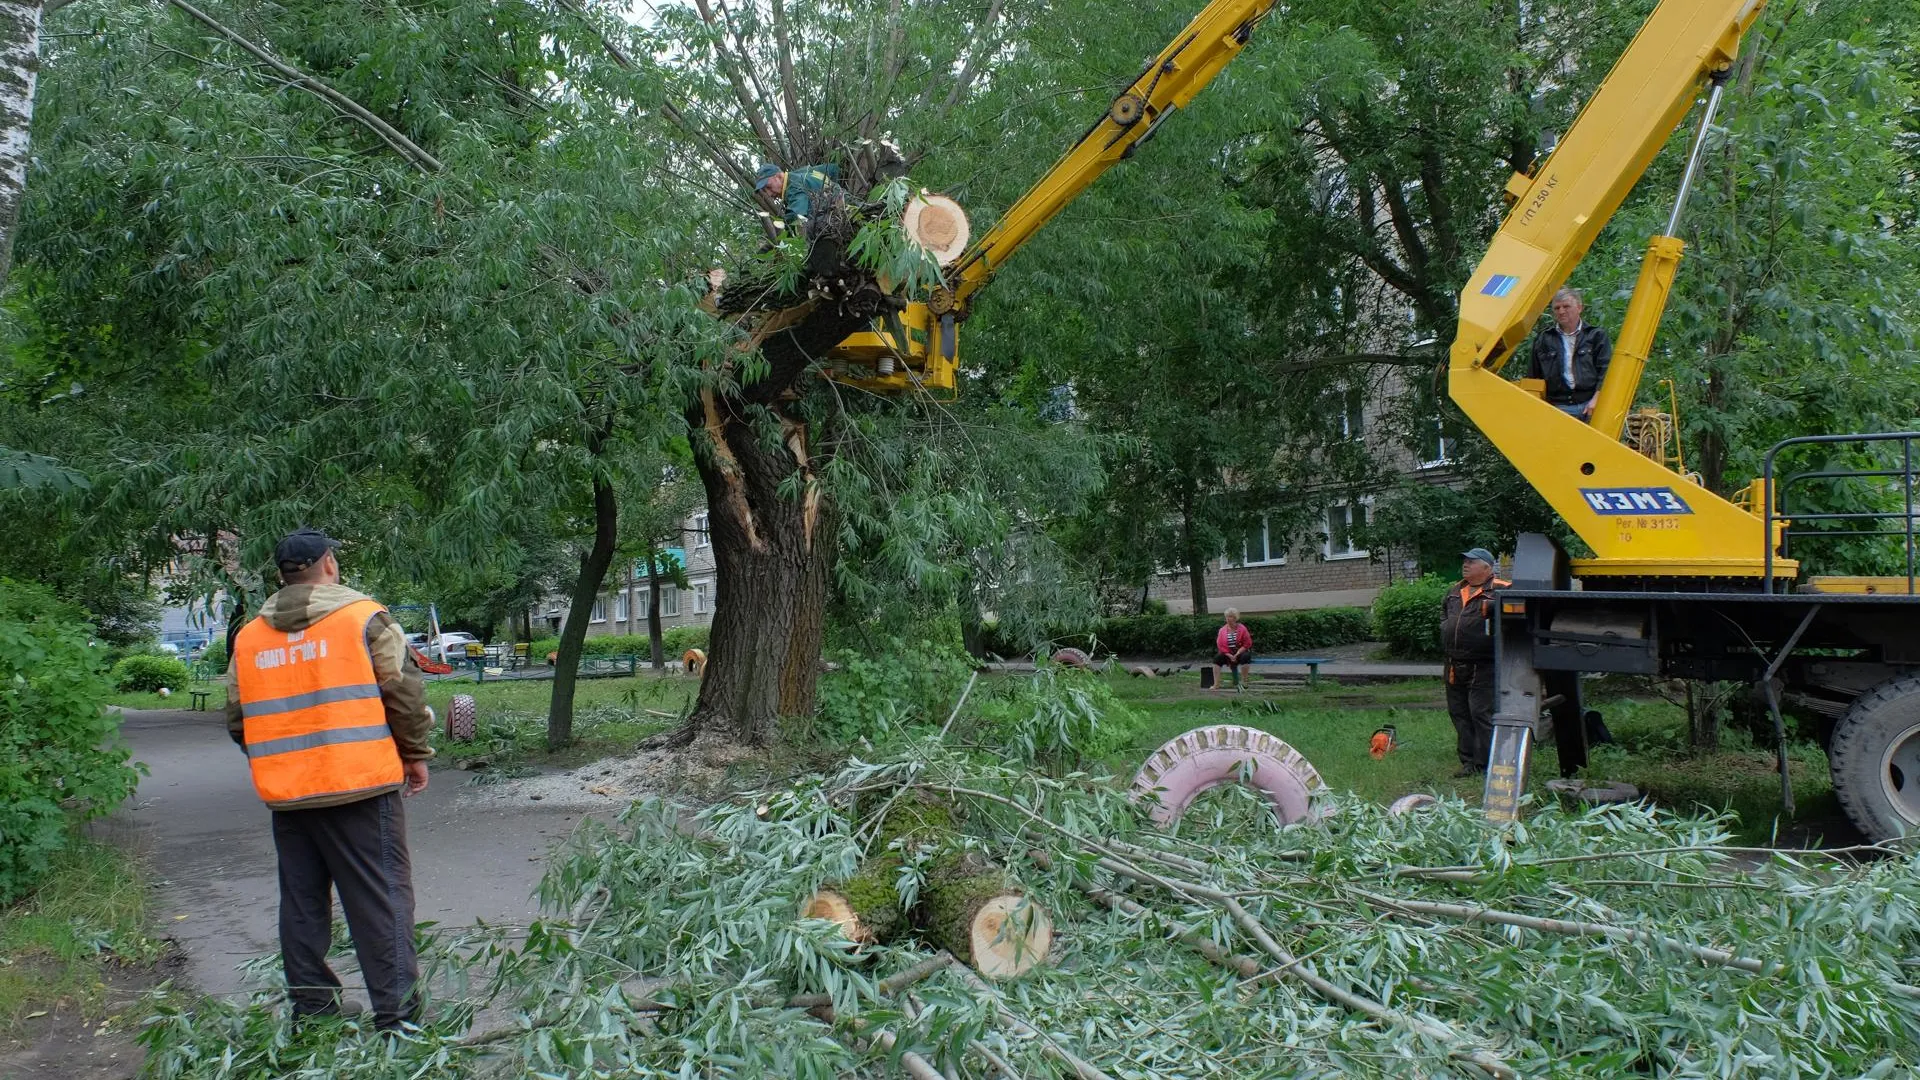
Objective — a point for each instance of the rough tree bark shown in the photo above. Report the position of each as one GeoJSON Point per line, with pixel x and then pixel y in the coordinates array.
{"type": "Point", "coordinates": [772, 551]}
{"type": "Point", "coordinates": [573, 636]}
{"type": "Point", "coordinates": [19, 70]}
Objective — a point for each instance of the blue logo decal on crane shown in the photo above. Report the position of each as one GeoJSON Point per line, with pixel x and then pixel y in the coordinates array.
{"type": "Point", "coordinates": [1649, 501]}
{"type": "Point", "coordinates": [1499, 285]}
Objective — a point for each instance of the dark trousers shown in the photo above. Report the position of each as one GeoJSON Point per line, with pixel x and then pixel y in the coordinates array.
{"type": "Point", "coordinates": [1238, 660]}
{"type": "Point", "coordinates": [361, 850]}
{"type": "Point", "coordinates": [1470, 704]}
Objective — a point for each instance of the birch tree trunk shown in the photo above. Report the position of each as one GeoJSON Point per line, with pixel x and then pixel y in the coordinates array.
{"type": "Point", "coordinates": [19, 70]}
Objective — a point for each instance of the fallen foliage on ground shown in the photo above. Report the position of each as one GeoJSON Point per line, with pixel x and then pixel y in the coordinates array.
{"type": "Point", "coordinates": [1609, 941]}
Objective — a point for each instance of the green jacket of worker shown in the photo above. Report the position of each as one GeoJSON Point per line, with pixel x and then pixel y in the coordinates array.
{"type": "Point", "coordinates": [798, 189]}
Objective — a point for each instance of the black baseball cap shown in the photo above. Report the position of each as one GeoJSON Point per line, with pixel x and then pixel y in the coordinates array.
{"type": "Point", "coordinates": [302, 548]}
{"type": "Point", "coordinates": [1482, 554]}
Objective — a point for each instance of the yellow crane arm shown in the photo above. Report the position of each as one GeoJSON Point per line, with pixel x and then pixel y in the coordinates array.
{"type": "Point", "coordinates": [920, 348]}
{"type": "Point", "coordinates": [1188, 63]}
{"type": "Point", "coordinates": [1640, 518]}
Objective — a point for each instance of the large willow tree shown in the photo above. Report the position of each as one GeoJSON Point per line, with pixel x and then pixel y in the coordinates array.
{"type": "Point", "coordinates": [431, 276]}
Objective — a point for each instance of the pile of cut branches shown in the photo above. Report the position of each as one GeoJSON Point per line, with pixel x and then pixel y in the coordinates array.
{"type": "Point", "coordinates": [1606, 942]}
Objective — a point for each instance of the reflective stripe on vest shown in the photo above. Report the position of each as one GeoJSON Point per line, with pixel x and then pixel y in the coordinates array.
{"type": "Point", "coordinates": [312, 719]}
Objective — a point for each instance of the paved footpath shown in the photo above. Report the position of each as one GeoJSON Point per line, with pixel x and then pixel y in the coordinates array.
{"type": "Point", "coordinates": [206, 840]}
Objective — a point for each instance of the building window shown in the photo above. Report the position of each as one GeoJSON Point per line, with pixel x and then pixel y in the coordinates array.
{"type": "Point", "coordinates": [1437, 444]}
{"type": "Point", "coordinates": [1258, 547]}
{"type": "Point", "coordinates": [620, 606]}
{"type": "Point", "coordinates": [700, 536]}
{"type": "Point", "coordinates": [669, 600]}
{"type": "Point", "coordinates": [1344, 409]}
{"type": "Point", "coordinates": [1344, 523]}
{"type": "Point", "coordinates": [702, 597]}
{"type": "Point", "coordinates": [599, 610]}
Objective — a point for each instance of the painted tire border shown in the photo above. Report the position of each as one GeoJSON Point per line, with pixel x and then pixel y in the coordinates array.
{"type": "Point", "coordinates": [1197, 761]}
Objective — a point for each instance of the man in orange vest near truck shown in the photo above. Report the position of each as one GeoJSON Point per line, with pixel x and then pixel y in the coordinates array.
{"type": "Point", "coordinates": [332, 714]}
{"type": "Point", "coordinates": [1466, 635]}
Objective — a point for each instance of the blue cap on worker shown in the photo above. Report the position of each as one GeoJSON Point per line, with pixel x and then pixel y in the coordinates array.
{"type": "Point", "coordinates": [764, 175]}
{"type": "Point", "coordinates": [302, 548]}
{"type": "Point", "coordinates": [1482, 554]}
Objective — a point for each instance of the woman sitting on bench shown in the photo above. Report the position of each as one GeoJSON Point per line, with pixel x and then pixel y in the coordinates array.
{"type": "Point", "coordinates": [1233, 646]}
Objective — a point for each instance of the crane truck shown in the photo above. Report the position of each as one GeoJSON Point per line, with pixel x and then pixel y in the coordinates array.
{"type": "Point", "coordinates": [1677, 581]}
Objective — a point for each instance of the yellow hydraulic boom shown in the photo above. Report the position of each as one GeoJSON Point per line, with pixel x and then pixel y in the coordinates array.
{"type": "Point", "coordinates": [924, 351]}
{"type": "Point", "coordinates": [1640, 518]}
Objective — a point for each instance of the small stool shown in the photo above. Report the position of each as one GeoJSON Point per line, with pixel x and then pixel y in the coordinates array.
{"type": "Point", "coordinates": [199, 699]}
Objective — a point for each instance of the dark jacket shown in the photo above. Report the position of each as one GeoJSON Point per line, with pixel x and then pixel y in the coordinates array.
{"type": "Point", "coordinates": [1592, 352]}
{"type": "Point", "coordinates": [1466, 623]}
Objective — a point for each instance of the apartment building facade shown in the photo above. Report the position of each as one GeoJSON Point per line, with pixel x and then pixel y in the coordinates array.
{"type": "Point", "coordinates": [622, 605]}
{"type": "Point", "coordinates": [1329, 563]}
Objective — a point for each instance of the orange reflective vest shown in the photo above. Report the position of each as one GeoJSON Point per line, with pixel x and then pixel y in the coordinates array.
{"type": "Point", "coordinates": [310, 705]}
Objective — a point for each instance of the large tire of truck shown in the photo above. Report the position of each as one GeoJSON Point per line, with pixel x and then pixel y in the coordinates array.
{"type": "Point", "coordinates": [1875, 758]}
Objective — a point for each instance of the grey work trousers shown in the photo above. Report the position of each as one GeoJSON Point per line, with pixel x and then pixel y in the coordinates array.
{"type": "Point", "coordinates": [1470, 704]}
{"type": "Point", "coordinates": [360, 849]}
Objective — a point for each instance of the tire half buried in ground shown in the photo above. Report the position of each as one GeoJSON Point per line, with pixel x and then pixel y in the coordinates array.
{"type": "Point", "coordinates": [1200, 760]}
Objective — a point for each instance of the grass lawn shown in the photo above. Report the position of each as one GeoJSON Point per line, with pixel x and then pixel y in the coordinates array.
{"type": "Point", "coordinates": [610, 718]}
{"type": "Point", "coordinates": [57, 945]}
{"type": "Point", "coordinates": [1331, 726]}
{"type": "Point", "coordinates": [216, 698]}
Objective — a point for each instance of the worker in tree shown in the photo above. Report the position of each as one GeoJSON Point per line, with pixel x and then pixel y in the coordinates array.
{"type": "Point", "coordinates": [1572, 357]}
{"type": "Point", "coordinates": [1466, 635]}
{"type": "Point", "coordinates": [802, 192]}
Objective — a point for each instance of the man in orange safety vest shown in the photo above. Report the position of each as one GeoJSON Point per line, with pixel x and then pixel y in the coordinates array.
{"type": "Point", "coordinates": [331, 711]}
{"type": "Point", "coordinates": [1466, 636]}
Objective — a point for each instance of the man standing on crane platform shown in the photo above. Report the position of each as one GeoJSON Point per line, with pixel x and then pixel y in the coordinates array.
{"type": "Point", "coordinates": [1572, 357]}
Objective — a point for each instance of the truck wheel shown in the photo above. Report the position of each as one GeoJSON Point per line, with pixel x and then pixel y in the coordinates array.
{"type": "Point", "coordinates": [1875, 759]}
{"type": "Point", "coordinates": [1206, 757]}
{"type": "Point", "coordinates": [461, 714]}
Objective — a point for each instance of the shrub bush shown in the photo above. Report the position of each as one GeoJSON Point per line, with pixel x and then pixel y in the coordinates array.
{"type": "Point", "coordinates": [1406, 615]}
{"type": "Point", "coordinates": [1187, 637]}
{"type": "Point", "coordinates": [146, 673]}
{"type": "Point", "coordinates": [874, 697]}
{"type": "Point", "coordinates": [56, 737]}
{"type": "Point", "coordinates": [215, 655]}
{"type": "Point", "coordinates": [674, 640]}
{"type": "Point", "coordinates": [1059, 719]}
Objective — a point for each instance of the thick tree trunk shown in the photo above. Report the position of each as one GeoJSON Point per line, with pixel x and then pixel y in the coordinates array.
{"type": "Point", "coordinates": [768, 519]}
{"type": "Point", "coordinates": [593, 573]}
{"type": "Point", "coordinates": [19, 70]}
{"type": "Point", "coordinates": [772, 541]}
{"type": "Point", "coordinates": [654, 642]}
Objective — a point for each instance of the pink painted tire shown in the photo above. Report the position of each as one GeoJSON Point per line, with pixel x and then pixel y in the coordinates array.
{"type": "Point", "coordinates": [1204, 758]}
{"type": "Point", "coordinates": [1072, 658]}
{"type": "Point", "coordinates": [462, 718]}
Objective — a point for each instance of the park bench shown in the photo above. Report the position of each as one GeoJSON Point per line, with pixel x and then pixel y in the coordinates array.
{"type": "Point", "coordinates": [199, 699]}
{"type": "Point", "coordinates": [1210, 675]}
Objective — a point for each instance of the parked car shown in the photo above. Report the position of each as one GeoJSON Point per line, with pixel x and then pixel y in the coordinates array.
{"type": "Point", "coordinates": [453, 644]}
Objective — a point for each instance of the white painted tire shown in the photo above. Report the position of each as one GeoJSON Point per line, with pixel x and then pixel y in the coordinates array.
{"type": "Point", "coordinates": [462, 718]}
{"type": "Point", "coordinates": [1200, 760]}
{"type": "Point", "coordinates": [1407, 804]}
